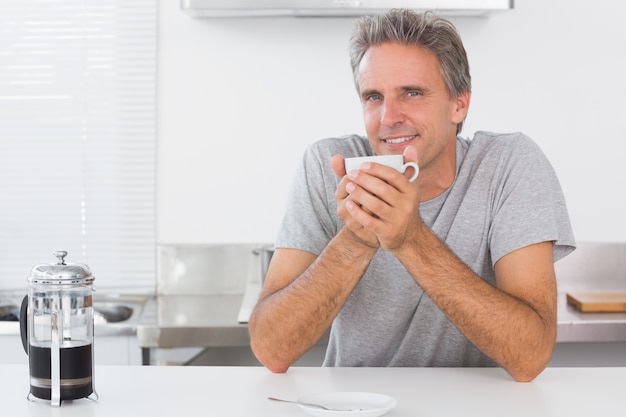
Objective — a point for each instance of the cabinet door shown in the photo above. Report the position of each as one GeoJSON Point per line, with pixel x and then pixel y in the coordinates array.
{"type": "Point", "coordinates": [11, 350]}
{"type": "Point", "coordinates": [117, 350]}
{"type": "Point", "coordinates": [110, 350]}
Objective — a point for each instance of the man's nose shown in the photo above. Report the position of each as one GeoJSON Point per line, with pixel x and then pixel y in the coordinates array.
{"type": "Point", "coordinates": [391, 113]}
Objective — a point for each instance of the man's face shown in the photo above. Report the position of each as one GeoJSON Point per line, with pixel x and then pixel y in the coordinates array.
{"type": "Point", "coordinates": [405, 101]}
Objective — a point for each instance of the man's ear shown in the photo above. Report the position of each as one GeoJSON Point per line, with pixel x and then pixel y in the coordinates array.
{"type": "Point", "coordinates": [461, 107]}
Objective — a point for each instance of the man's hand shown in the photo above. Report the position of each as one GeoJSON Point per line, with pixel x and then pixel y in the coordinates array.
{"type": "Point", "coordinates": [342, 197]}
{"type": "Point", "coordinates": [377, 203]}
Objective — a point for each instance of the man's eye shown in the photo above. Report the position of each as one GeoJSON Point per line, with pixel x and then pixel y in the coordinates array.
{"type": "Point", "coordinates": [373, 97]}
{"type": "Point", "coordinates": [414, 93]}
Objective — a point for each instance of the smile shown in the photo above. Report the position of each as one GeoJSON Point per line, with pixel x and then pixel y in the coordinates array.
{"type": "Point", "coordinates": [400, 140]}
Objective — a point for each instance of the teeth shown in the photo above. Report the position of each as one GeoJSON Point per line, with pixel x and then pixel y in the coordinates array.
{"type": "Point", "coordinates": [399, 140]}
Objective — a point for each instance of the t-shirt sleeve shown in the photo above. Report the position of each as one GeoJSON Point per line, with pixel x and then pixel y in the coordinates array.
{"type": "Point", "coordinates": [308, 220]}
{"type": "Point", "coordinates": [529, 205]}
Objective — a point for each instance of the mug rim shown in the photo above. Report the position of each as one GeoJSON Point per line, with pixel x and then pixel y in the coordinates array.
{"type": "Point", "coordinates": [375, 157]}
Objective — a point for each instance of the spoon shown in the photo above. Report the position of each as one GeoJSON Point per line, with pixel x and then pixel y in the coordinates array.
{"type": "Point", "coordinates": [313, 405]}
{"type": "Point", "coordinates": [301, 403]}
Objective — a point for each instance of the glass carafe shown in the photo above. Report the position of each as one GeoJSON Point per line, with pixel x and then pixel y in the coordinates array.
{"type": "Point", "coordinates": [57, 331]}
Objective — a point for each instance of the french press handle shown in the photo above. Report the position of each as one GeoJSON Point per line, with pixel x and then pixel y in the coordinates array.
{"type": "Point", "coordinates": [24, 323]}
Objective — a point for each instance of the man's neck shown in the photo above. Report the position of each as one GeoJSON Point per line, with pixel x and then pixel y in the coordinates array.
{"type": "Point", "coordinates": [436, 179]}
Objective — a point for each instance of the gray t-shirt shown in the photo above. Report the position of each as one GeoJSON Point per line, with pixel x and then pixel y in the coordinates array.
{"type": "Point", "coordinates": [505, 196]}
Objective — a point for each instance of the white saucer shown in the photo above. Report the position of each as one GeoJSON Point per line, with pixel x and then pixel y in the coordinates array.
{"type": "Point", "coordinates": [363, 404]}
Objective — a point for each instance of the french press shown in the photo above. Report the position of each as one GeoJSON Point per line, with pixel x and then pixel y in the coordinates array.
{"type": "Point", "coordinates": [56, 325]}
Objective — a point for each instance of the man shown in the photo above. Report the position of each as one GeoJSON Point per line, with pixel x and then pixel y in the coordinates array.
{"type": "Point", "coordinates": [454, 269]}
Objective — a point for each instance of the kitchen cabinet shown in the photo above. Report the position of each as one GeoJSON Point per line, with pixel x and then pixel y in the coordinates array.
{"type": "Point", "coordinates": [589, 354]}
{"type": "Point", "coordinates": [243, 356]}
{"type": "Point", "coordinates": [335, 8]}
{"type": "Point", "coordinates": [117, 350]}
{"type": "Point", "coordinates": [12, 350]}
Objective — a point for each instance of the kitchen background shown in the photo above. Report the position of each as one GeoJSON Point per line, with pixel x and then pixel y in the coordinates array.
{"type": "Point", "coordinates": [237, 103]}
{"type": "Point", "coordinates": [239, 100]}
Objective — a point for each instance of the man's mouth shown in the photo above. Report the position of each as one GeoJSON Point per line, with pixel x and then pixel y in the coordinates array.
{"type": "Point", "coordinates": [399, 140]}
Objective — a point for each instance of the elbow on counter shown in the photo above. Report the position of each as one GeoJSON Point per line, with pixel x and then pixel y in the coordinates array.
{"type": "Point", "coordinates": [264, 353]}
{"type": "Point", "coordinates": [530, 368]}
{"type": "Point", "coordinates": [525, 376]}
{"type": "Point", "coordinates": [269, 360]}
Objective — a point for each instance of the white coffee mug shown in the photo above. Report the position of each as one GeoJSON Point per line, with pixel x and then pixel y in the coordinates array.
{"type": "Point", "coordinates": [393, 161]}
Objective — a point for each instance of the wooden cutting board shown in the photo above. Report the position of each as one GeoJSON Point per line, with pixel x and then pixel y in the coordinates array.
{"type": "Point", "coordinates": [598, 302]}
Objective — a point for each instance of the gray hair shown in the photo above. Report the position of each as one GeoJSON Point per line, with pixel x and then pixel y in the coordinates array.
{"type": "Point", "coordinates": [408, 27]}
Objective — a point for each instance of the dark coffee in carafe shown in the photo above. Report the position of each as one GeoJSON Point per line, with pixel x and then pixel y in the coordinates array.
{"type": "Point", "coordinates": [76, 372]}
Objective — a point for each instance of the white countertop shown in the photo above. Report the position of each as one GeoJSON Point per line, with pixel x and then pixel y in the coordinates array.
{"type": "Point", "coordinates": [243, 391]}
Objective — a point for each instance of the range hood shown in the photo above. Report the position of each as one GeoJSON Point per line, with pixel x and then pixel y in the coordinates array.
{"type": "Point", "coordinates": [335, 8]}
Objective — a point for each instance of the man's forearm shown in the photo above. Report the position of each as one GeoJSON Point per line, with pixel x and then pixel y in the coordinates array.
{"type": "Point", "coordinates": [290, 320]}
{"type": "Point", "coordinates": [514, 331]}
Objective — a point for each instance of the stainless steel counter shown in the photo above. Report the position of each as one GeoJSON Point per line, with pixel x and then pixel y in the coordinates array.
{"type": "Point", "coordinates": [593, 266]}
{"type": "Point", "coordinates": [197, 321]}
{"type": "Point", "coordinates": [574, 326]}
{"type": "Point", "coordinates": [172, 321]}
{"type": "Point", "coordinates": [212, 321]}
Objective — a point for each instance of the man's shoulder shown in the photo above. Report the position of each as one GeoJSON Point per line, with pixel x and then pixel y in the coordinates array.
{"type": "Point", "coordinates": [485, 144]}
{"type": "Point", "coordinates": [485, 139]}
{"type": "Point", "coordinates": [347, 146]}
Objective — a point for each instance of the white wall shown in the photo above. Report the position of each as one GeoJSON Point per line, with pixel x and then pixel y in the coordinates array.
{"type": "Point", "coordinates": [239, 100]}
